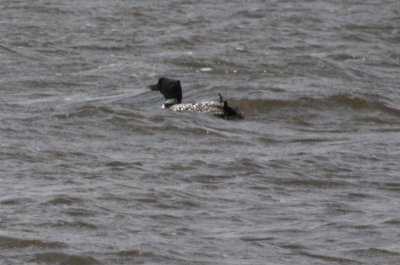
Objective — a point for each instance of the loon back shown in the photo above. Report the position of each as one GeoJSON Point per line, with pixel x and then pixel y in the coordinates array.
{"type": "Point", "coordinates": [172, 92]}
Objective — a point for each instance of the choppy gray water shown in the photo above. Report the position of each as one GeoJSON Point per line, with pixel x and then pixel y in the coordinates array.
{"type": "Point", "coordinates": [93, 171]}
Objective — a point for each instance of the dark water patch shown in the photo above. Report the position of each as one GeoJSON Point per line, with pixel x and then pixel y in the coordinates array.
{"type": "Point", "coordinates": [357, 103]}
{"type": "Point", "coordinates": [85, 111]}
{"type": "Point", "coordinates": [12, 243]}
{"type": "Point", "coordinates": [29, 156]}
{"type": "Point", "coordinates": [50, 8]}
{"type": "Point", "coordinates": [269, 140]}
{"type": "Point", "coordinates": [371, 28]}
{"type": "Point", "coordinates": [168, 200]}
{"type": "Point", "coordinates": [60, 258]}
{"type": "Point", "coordinates": [331, 259]}
{"type": "Point", "coordinates": [258, 239]}
{"type": "Point", "coordinates": [367, 228]}
{"type": "Point", "coordinates": [377, 120]}
{"type": "Point", "coordinates": [391, 186]}
{"type": "Point", "coordinates": [60, 54]}
{"type": "Point", "coordinates": [120, 165]}
{"type": "Point", "coordinates": [357, 196]}
{"type": "Point", "coordinates": [107, 19]}
{"type": "Point", "coordinates": [72, 225]}
{"type": "Point", "coordinates": [310, 140]}
{"type": "Point", "coordinates": [15, 201]}
{"type": "Point", "coordinates": [136, 257]}
{"type": "Point", "coordinates": [334, 208]}
{"type": "Point", "coordinates": [8, 49]}
{"type": "Point", "coordinates": [110, 46]}
{"type": "Point", "coordinates": [210, 179]}
{"type": "Point", "coordinates": [152, 257]}
{"type": "Point", "coordinates": [132, 253]}
{"type": "Point", "coordinates": [331, 103]}
{"type": "Point", "coordinates": [185, 42]}
{"type": "Point", "coordinates": [293, 247]}
{"type": "Point", "coordinates": [393, 222]}
{"type": "Point", "coordinates": [65, 200]}
{"type": "Point", "coordinates": [346, 57]}
{"type": "Point", "coordinates": [375, 255]}
{"type": "Point", "coordinates": [253, 14]}
{"type": "Point", "coordinates": [248, 165]}
{"type": "Point", "coordinates": [312, 183]}
{"type": "Point", "coordinates": [150, 200]}
{"type": "Point", "coordinates": [79, 212]}
{"type": "Point", "coordinates": [126, 119]}
{"type": "Point", "coordinates": [179, 167]}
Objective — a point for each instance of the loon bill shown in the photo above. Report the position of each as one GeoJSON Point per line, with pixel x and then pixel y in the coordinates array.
{"type": "Point", "coordinates": [172, 91]}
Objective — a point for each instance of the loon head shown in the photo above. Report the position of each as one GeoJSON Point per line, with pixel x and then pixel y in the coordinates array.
{"type": "Point", "coordinates": [170, 89]}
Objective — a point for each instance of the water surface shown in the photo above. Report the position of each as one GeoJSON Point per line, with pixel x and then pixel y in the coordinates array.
{"type": "Point", "coordinates": [93, 171]}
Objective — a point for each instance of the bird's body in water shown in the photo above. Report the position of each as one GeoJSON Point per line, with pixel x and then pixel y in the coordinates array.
{"type": "Point", "coordinates": [172, 92]}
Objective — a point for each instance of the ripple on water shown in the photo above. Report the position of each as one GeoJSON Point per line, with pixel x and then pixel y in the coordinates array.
{"type": "Point", "coordinates": [15, 201]}
{"type": "Point", "coordinates": [64, 259]}
{"type": "Point", "coordinates": [65, 200]}
{"type": "Point", "coordinates": [331, 258]}
{"type": "Point", "coordinates": [375, 255]}
{"type": "Point", "coordinates": [12, 243]}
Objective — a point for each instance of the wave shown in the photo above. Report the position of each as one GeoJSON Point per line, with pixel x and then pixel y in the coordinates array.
{"type": "Point", "coordinates": [333, 102]}
{"type": "Point", "coordinates": [368, 253]}
{"type": "Point", "coordinates": [11, 242]}
{"type": "Point", "coordinates": [63, 258]}
{"type": "Point", "coordinates": [122, 108]}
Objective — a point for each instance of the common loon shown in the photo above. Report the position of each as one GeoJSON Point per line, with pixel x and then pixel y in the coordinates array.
{"type": "Point", "coordinates": [172, 92]}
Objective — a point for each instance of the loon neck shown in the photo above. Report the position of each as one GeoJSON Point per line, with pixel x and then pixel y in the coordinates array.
{"type": "Point", "coordinates": [170, 102]}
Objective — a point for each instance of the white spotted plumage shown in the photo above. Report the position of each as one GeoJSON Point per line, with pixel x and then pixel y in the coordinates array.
{"type": "Point", "coordinates": [210, 107]}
